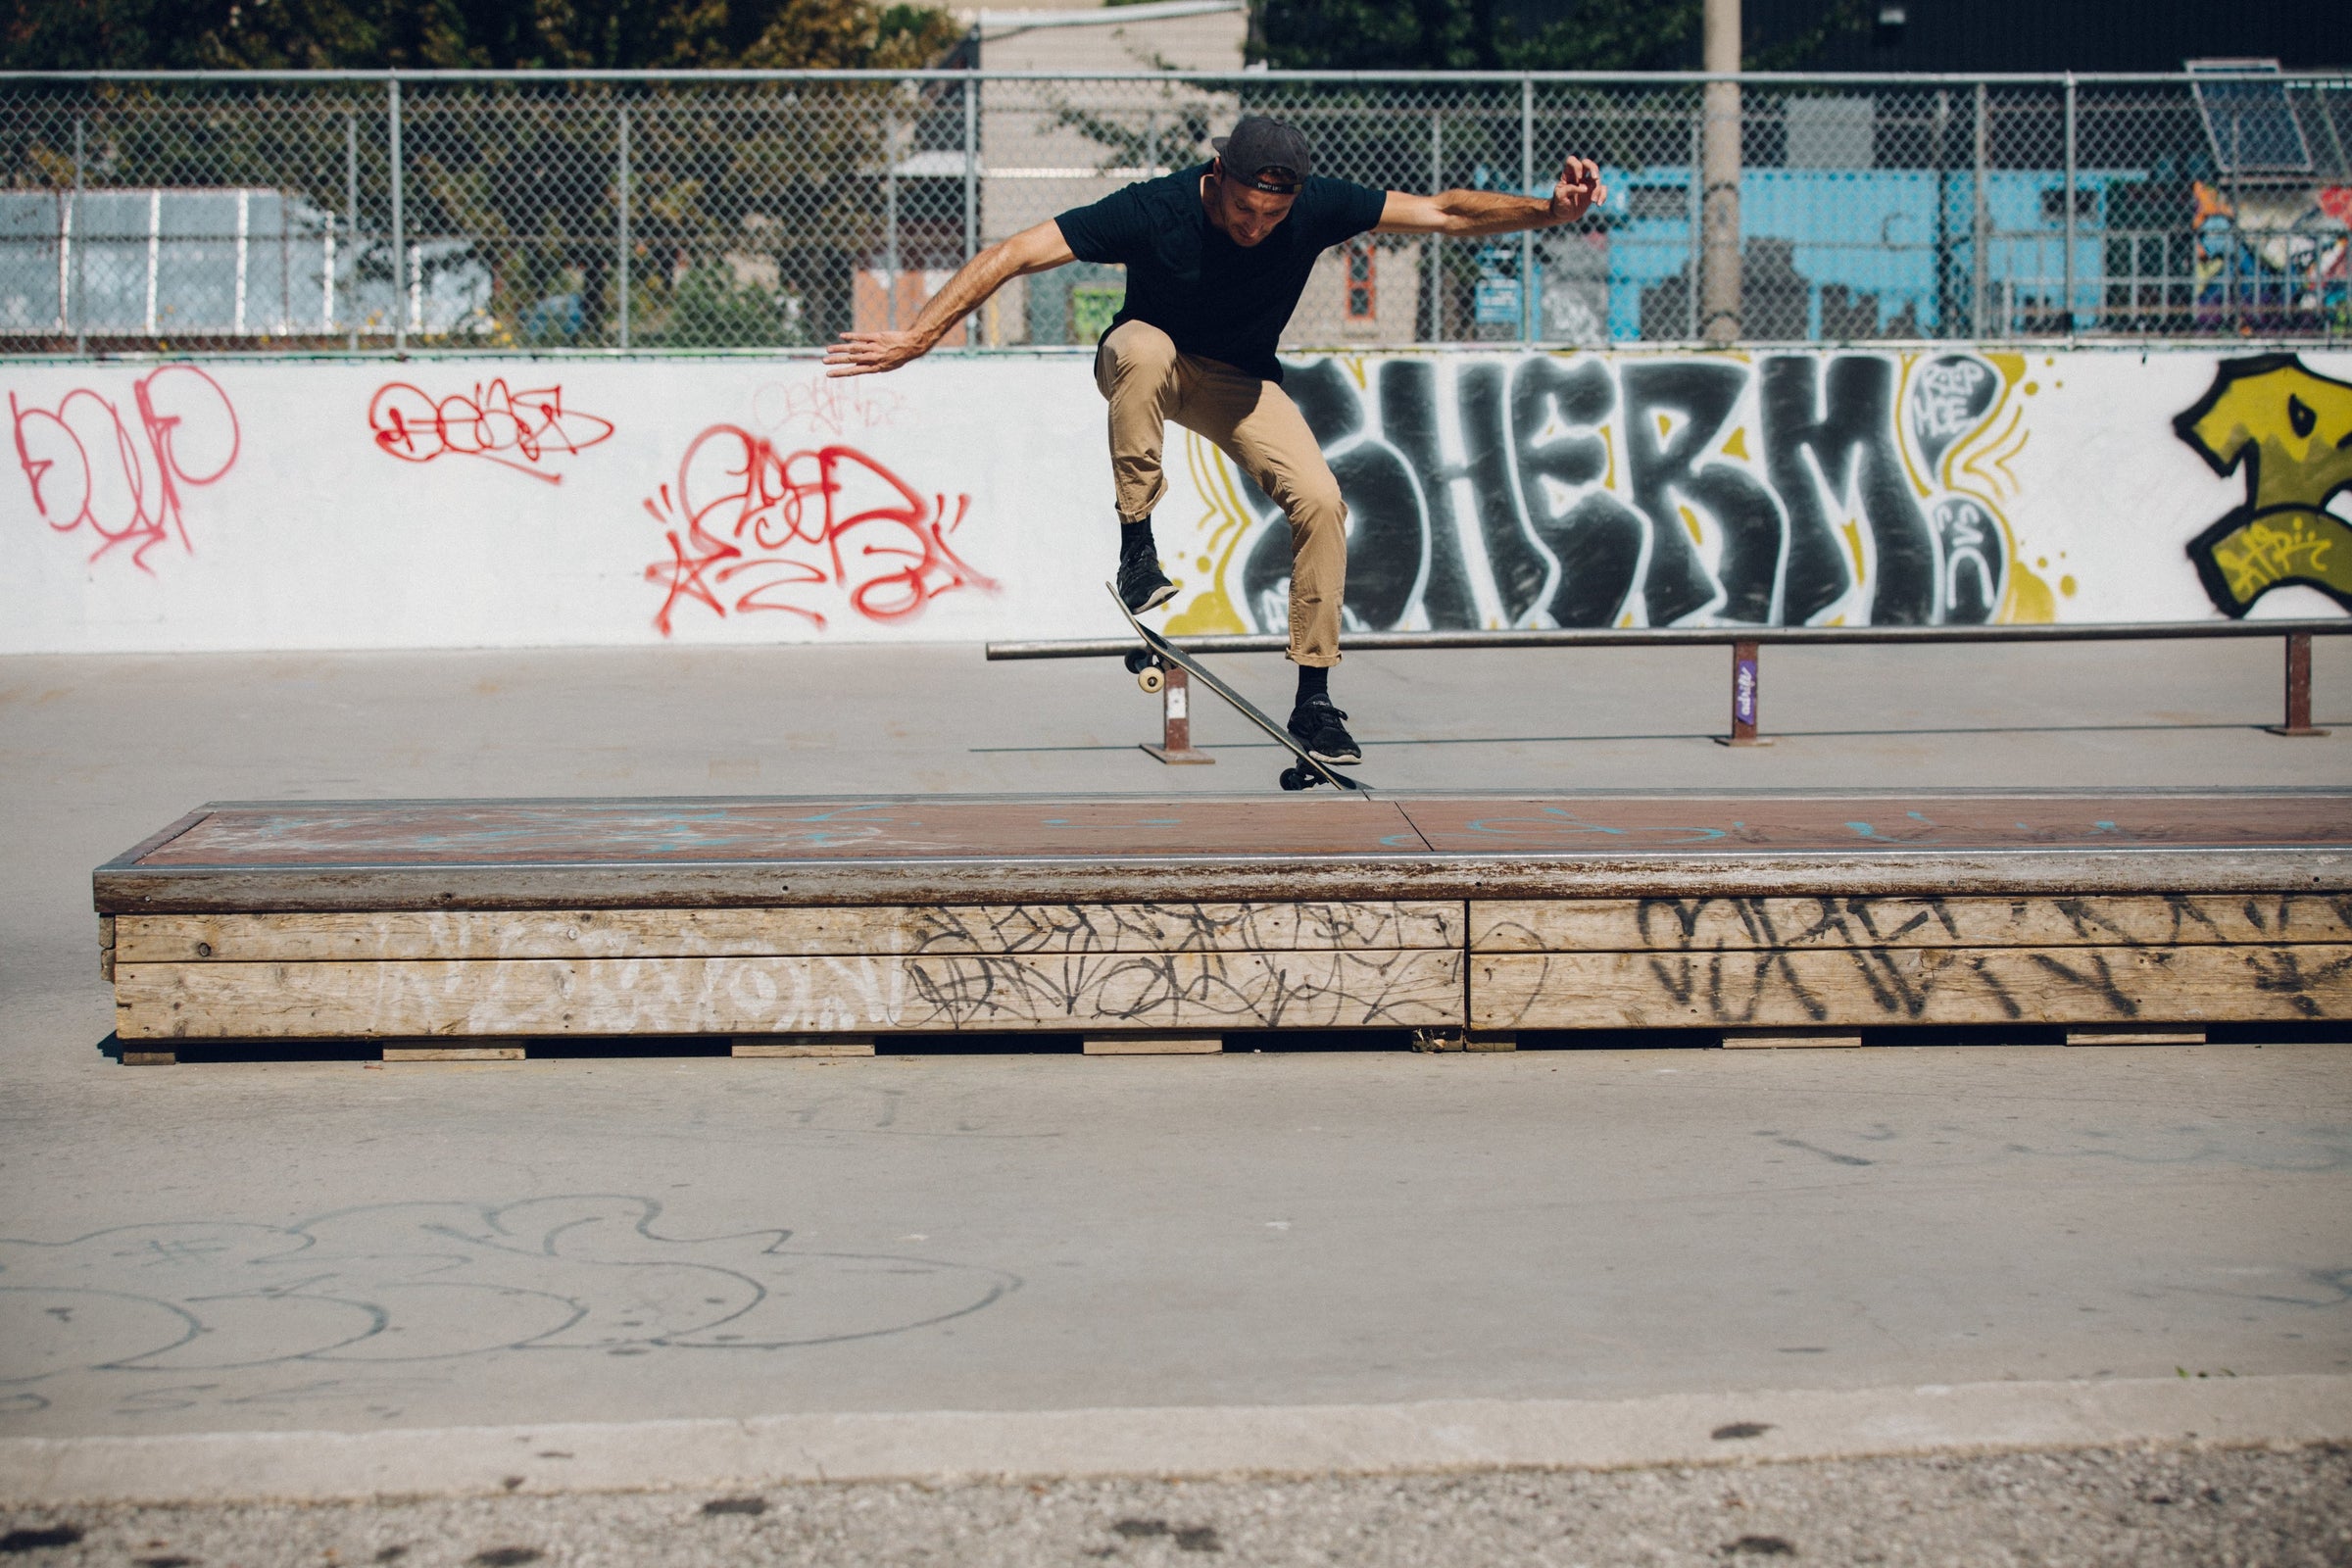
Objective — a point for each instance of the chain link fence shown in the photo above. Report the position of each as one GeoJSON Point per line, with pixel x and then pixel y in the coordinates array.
{"type": "Point", "coordinates": [349, 212]}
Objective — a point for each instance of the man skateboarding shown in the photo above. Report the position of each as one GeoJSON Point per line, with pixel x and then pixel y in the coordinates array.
{"type": "Point", "coordinates": [1216, 257]}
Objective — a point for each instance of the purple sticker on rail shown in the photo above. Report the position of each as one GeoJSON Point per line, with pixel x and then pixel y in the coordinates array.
{"type": "Point", "coordinates": [1743, 691]}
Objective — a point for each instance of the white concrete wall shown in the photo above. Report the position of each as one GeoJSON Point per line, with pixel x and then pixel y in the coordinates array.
{"type": "Point", "coordinates": [261, 505]}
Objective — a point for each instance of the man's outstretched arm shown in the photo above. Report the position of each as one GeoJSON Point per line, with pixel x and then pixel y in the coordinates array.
{"type": "Point", "coordinates": [1032, 250]}
{"type": "Point", "coordinates": [1485, 212]}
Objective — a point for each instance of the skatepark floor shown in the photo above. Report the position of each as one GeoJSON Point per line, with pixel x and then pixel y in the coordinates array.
{"type": "Point", "coordinates": [218, 1253]}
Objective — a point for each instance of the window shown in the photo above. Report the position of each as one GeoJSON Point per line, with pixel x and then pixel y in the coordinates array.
{"type": "Point", "coordinates": [1363, 285]}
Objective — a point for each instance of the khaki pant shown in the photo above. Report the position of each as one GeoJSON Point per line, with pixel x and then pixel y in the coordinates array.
{"type": "Point", "coordinates": [1253, 422]}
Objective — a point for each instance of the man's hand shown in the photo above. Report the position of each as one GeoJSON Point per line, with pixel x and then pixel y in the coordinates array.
{"type": "Point", "coordinates": [872, 353]}
{"type": "Point", "coordinates": [1578, 191]}
{"type": "Point", "coordinates": [1032, 250]}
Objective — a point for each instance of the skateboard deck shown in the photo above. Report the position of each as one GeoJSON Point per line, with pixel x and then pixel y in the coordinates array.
{"type": "Point", "coordinates": [1307, 773]}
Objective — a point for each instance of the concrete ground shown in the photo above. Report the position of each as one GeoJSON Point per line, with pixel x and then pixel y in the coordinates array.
{"type": "Point", "coordinates": [2161, 1508]}
{"type": "Point", "coordinates": [328, 1245]}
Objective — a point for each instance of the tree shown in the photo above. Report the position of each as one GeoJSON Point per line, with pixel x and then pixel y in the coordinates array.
{"type": "Point", "coordinates": [471, 35]}
{"type": "Point", "coordinates": [1516, 34]}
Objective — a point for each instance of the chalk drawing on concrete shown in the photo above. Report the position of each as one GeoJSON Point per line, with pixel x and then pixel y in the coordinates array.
{"type": "Point", "coordinates": [403, 1284]}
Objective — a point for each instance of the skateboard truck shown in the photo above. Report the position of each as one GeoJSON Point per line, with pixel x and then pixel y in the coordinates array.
{"type": "Point", "coordinates": [1160, 666]}
{"type": "Point", "coordinates": [1145, 665]}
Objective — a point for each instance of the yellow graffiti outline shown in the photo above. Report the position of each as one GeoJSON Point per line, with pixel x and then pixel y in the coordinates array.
{"type": "Point", "coordinates": [1902, 433]}
{"type": "Point", "coordinates": [1999, 452]}
{"type": "Point", "coordinates": [1227, 520]}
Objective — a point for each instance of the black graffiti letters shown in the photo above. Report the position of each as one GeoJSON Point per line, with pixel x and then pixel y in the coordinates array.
{"type": "Point", "coordinates": [1676, 419]}
{"type": "Point", "coordinates": [1830, 441]}
{"type": "Point", "coordinates": [1588, 491]}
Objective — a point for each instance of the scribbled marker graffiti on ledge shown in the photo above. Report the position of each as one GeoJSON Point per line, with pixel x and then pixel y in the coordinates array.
{"type": "Point", "coordinates": [804, 532]}
{"type": "Point", "coordinates": [517, 431]}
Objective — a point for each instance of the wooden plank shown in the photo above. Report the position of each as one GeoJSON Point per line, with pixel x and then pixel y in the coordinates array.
{"type": "Point", "coordinates": [2130, 1035]}
{"type": "Point", "coordinates": [417, 934]}
{"type": "Point", "coordinates": [788, 995]}
{"type": "Point", "coordinates": [1790, 1039]}
{"type": "Point", "coordinates": [1908, 985]}
{"type": "Point", "coordinates": [106, 947]}
{"type": "Point", "coordinates": [1390, 875]}
{"type": "Point", "coordinates": [150, 1058]}
{"type": "Point", "coordinates": [1701, 925]}
{"type": "Point", "coordinates": [773, 831]}
{"type": "Point", "coordinates": [1850, 823]}
{"type": "Point", "coordinates": [801, 1045]}
{"type": "Point", "coordinates": [1155, 1045]}
{"type": "Point", "coordinates": [453, 1053]}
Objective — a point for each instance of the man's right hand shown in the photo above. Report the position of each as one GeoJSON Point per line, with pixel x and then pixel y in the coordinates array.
{"type": "Point", "coordinates": [872, 353]}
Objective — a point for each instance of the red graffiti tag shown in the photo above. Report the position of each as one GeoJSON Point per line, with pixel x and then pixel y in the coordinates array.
{"type": "Point", "coordinates": [514, 429]}
{"type": "Point", "coordinates": [770, 530]}
{"type": "Point", "coordinates": [86, 466]}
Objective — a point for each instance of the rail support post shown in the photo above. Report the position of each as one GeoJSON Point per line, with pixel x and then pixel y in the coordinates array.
{"type": "Point", "coordinates": [2298, 688]}
{"type": "Point", "coordinates": [1743, 697]}
{"type": "Point", "coordinates": [1176, 720]}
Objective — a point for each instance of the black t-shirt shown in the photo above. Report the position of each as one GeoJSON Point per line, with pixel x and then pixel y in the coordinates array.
{"type": "Point", "coordinates": [1214, 298]}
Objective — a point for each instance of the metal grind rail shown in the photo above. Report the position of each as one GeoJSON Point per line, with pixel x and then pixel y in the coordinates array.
{"type": "Point", "coordinates": [1745, 643]}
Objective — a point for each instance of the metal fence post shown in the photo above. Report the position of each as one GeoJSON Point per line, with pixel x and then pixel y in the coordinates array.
{"type": "Point", "coordinates": [2069, 315]}
{"type": "Point", "coordinates": [1695, 218]}
{"type": "Point", "coordinates": [1434, 256]}
{"type": "Point", "coordinates": [400, 230]}
{"type": "Point", "coordinates": [1527, 188]}
{"type": "Point", "coordinates": [1944, 291]}
{"type": "Point", "coordinates": [890, 222]}
{"type": "Point", "coordinates": [971, 173]}
{"type": "Point", "coordinates": [351, 212]}
{"type": "Point", "coordinates": [2298, 688]}
{"type": "Point", "coordinates": [77, 235]}
{"type": "Point", "coordinates": [621, 237]}
{"type": "Point", "coordinates": [1747, 679]}
{"type": "Point", "coordinates": [2235, 237]}
{"type": "Point", "coordinates": [1981, 220]}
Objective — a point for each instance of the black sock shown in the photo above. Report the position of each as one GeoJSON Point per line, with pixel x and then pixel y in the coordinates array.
{"type": "Point", "coordinates": [1135, 539]}
{"type": "Point", "coordinates": [1314, 681]}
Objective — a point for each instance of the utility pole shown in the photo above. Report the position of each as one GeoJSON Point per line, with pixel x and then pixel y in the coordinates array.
{"type": "Point", "coordinates": [1719, 170]}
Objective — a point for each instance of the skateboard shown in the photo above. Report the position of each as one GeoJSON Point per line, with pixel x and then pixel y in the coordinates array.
{"type": "Point", "coordinates": [1158, 652]}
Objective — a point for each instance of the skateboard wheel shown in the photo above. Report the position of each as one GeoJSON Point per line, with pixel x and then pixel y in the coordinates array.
{"type": "Point", "coordinates": [1139, 660]}
{"type": "Point", "coordinates": [1151, 678]}
{"type": "Point", "coordinates": [1296, 778]}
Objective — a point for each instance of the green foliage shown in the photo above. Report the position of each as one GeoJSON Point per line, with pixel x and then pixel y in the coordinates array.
{"type": "Point", "coordinates": [1485, 35]}
{"type": "Point", "coordinates": [708, 307]}
{"type": "Point", "coordinates": [477, 35]}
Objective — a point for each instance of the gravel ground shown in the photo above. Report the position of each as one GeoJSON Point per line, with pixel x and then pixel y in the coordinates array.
{"type": "Point", "coordinates": [2143, 1507]}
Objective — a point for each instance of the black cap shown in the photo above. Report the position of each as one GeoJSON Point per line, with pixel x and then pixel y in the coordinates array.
{"type": "Point", "coordinates": [1266, 154]}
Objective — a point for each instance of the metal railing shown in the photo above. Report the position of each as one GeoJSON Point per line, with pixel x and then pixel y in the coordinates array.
{"type": "Point", "coordinates": [1745, 643]}
{"type": "Point", "coordinates": [472, 212]}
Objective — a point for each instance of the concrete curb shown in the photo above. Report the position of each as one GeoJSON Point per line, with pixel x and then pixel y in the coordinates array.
{"type": "Point", "coordinates": [1310, 1440]}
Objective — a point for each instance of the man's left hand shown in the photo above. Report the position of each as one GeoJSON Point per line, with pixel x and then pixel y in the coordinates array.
{"type": "Point", "coordinates": [1578, 191]}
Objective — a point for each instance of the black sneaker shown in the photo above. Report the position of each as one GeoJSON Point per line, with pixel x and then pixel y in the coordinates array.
{"type": "Point", "coordinates": [1143, 585]}
{"type": "Point", "coordinates": [1316, 725]}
